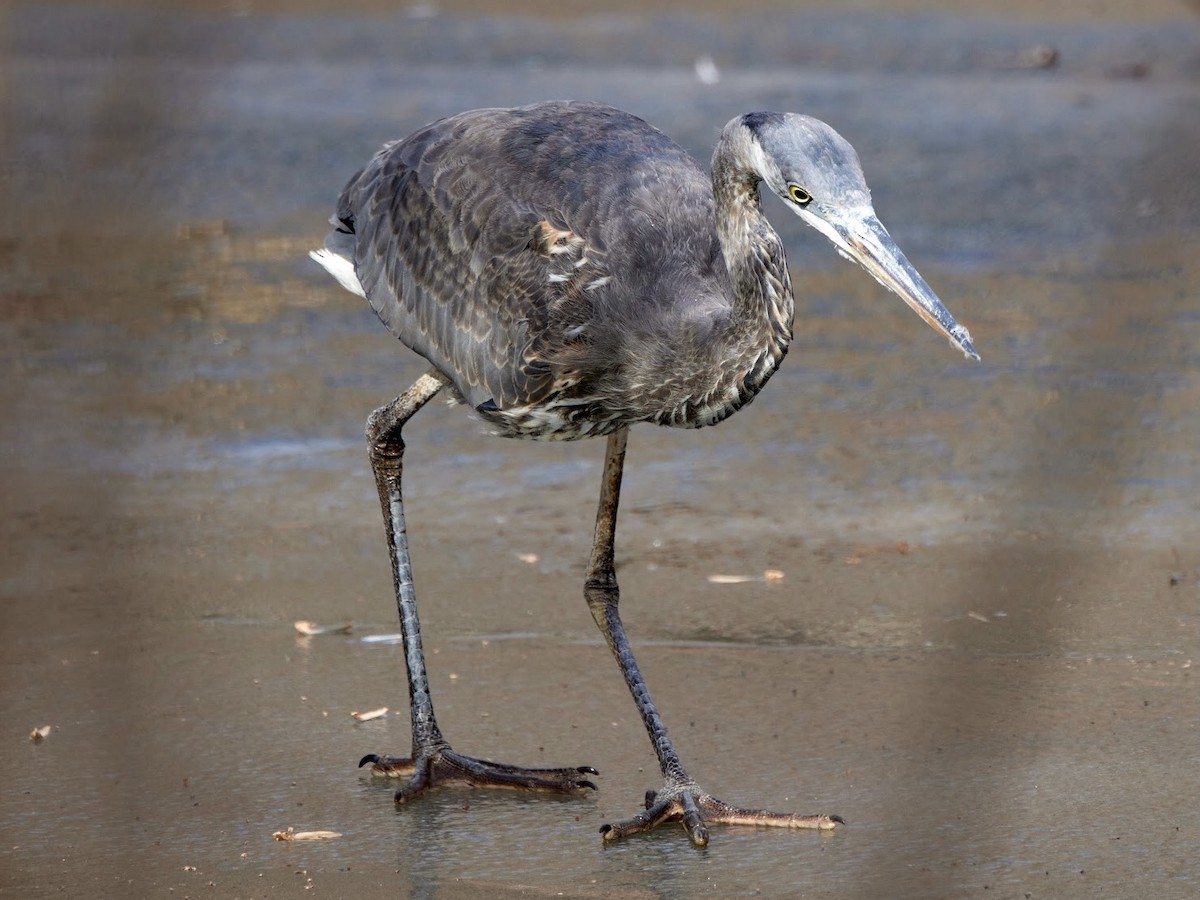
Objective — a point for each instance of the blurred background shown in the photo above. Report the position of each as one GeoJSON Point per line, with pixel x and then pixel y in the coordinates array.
{"type": "Point", "coordinates": [981, 649]}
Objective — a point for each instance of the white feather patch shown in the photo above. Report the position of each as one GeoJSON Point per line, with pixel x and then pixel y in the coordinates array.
{"type": "Point", "coordinates": [341, 268]}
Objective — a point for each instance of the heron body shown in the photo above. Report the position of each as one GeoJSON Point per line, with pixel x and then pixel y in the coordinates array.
{"type": "Point", "coordinates": [569, 271]}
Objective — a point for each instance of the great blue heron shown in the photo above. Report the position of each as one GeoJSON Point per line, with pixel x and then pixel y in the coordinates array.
{"type": "Point", "coordinates": [570, 271]}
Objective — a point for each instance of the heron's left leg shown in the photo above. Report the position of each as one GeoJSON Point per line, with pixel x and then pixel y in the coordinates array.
{"type": "Point", "coordinates": [433, 761]}
{"type": "Point", "coordinates": [680, 799]}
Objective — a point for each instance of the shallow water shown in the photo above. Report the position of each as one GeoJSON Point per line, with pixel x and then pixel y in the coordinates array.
{"type": "Point", "coordinates": [981, 652]}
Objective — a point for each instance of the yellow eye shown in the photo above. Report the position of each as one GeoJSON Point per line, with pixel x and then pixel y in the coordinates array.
{"type": "Point", "coordinates": [799, 194]}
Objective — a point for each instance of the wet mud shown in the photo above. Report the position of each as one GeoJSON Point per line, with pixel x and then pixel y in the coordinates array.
{"type": "Point", "coordinates": [982, 650]}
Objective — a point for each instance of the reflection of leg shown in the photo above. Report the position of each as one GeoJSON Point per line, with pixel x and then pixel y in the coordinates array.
{"type": "Point", "coordinates": [680, 799]}
{"type": "Point", "coordinates": [432, 759]}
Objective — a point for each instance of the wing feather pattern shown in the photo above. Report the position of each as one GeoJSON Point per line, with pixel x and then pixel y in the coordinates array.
{"type": "Point", "coordinates": [520, 251]}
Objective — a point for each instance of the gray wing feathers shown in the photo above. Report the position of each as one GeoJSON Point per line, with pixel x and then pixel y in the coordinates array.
{"type": "Point", "coordinates": [443, 257]}
{"type": "Point", "coordinates": [482, 241]}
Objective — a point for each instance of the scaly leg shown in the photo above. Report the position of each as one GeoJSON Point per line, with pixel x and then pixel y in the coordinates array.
{"type": "Point", "coordinates": [680, 799]}
{"type": "Point", "coordinates": [432, 761]}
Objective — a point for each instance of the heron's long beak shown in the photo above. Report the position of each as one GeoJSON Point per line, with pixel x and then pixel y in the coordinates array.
{"type": "Point", "coordinates": [861, 237]}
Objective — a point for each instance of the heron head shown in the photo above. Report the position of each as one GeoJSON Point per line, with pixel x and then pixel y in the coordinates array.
{"type": "Point", "coordinates": [817, 175]}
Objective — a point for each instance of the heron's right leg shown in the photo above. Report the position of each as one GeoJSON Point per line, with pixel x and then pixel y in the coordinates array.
{"type": "Point", "coordinates": [680, 799]}
{"type": "Point", "coordinates": [432, 761]}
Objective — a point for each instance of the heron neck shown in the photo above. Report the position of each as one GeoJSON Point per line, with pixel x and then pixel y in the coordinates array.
{"type": "Point", "coordinates": [763, 303]}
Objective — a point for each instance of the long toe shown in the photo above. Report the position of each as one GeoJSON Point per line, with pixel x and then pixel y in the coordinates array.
{"type": "Point", "coordinates": [389, 766]}
{"type": "Point", "coordinates": [720, 812]}
{"type": "Point", "coordinates": [695, 810]}
{"type": "Point", "coordinates": [445, 767]}
{"type": "Point", "coordinates": [454, 767]}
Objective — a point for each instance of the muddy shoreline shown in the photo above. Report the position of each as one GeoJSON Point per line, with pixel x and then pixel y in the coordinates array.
{"type": "Point", "coordinates": [982, 648]}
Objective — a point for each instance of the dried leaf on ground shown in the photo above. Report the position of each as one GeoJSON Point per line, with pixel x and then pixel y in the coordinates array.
{"type": "Point", "coordinates": [770, 576]}
{"type": "Point", "coordinates": [312, 629]}
{"type": "Point", "coordinates": [293, 835]}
